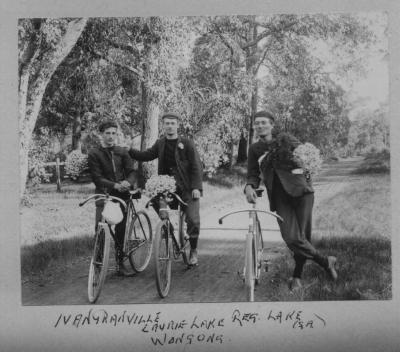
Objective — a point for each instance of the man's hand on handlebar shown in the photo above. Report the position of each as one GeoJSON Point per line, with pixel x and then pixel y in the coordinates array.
{"type": "Point", "coordinates": [251, 194]}
{"type": "Point", "coordinates": [122, 186]}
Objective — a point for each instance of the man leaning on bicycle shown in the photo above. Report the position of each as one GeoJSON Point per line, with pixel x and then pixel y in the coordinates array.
{"type": "Point", "coordinates": [112, 172]}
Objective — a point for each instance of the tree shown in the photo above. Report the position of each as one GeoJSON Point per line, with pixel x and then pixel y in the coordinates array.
{"type": "Point", "coordinates": [43, 44]}
{"type": "Point", "coordinates": [259, 41]}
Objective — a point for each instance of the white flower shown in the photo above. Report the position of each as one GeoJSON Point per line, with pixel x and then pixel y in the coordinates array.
{"type": "Point", "coordinates": [180, 145]}
{"type": "Point", "coordinates": [159, 184]}
{"type": "Point", "coordinates": [308, 157]}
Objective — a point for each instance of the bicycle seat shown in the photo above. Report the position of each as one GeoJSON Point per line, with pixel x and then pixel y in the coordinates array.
{"type": "Point", "coordinates": [259, 192]}
{"type": "Point", "coordinates": [136, 194]}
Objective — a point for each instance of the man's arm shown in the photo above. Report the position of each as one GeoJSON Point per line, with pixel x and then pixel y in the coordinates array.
{"type": "Point", "coordinates": [253, 176]}
{"type": "Point", "coordinates": [253, 169]}
{"type": "Point", "coordinates": [97, 174]}
{"type": "Point", "coordinates": [196, 168]}
{"type": "Point", "coordinates": [145, 155]}
{"type": "Point", "coordinates": [130, 173]}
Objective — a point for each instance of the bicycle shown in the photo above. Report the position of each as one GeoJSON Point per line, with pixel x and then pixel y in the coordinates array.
{"type": "Point", "coordinates": [166, 245]}
{"type": "Point", "coordinates": [254, 246]}
{"type": "Point", "coordinates": [138, 234]}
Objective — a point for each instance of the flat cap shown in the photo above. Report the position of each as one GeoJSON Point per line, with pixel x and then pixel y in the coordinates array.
{"type": "Point", "coordinates": [265, 113]}
{"type": "Point", "coordinates": [107, 124]}
{"type": "Point", "coordinates": [171, 115]}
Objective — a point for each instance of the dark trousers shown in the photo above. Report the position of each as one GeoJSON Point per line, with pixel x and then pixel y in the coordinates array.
{"type": "Point", "coordinates": [296, 226]}
{"type": "Point", "coordinates": [119, 228]}
{"type": "Point", "coordinates": [192, 211]}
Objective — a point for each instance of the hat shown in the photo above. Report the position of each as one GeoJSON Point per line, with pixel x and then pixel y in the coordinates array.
{"type": "Point", "coordinates": [107, 124]}
{"type": "Point", "coordinates": [171, 115]}
{"type": "Point", "coordinates": [264, 113]}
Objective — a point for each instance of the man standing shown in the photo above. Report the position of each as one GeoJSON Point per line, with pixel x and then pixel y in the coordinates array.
{"type": "Point", "coordinates": [289, 190]}
{"type": "Point", "coordinates": [112, 172]}
{"type": "Point", "coordinates": [178, 157]}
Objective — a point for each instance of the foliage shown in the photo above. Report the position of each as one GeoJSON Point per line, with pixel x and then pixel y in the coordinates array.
{"type": "Point", "coordinates": [211, 154]}
{"type": "Point", "coordinates": [40, 152]}
{"type": "Point", "coordinates": [375, 161]}
{"type": "Point", "coordinates": [76, 163]}
{"type": "Point", "coordinates": [370, 129]}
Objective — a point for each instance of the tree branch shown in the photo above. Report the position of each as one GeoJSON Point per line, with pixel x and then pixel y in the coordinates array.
{"type": "Point", "coordinates": [125, 47]}
{"type": "Point", "coordinates": [135, 71]}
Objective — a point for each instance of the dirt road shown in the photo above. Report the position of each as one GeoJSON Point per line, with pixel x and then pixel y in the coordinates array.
{"type": "Point", "coordinates": [216, 279]}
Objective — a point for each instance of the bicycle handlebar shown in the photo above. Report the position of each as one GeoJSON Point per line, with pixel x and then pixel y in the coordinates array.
{"type": "Point", "coordinates": [179, 199]}
{"type": "Point", "coordinates": [250, 210]}
{"type": "Point", "coordinates": [102, 196]}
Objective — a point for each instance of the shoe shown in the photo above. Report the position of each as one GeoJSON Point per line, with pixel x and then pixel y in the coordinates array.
{"type": "Point", "coordinates": [295, 284]}
{"type": "Point", "coordinates": [193, 260]}
{"type": "Point", "coordinates": [122, 271]}
{"type": "Point", "coordinates": [331, 270]}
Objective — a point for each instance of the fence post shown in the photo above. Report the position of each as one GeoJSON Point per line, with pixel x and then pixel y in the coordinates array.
{"type": "Point", "coordinates": [58, 174]}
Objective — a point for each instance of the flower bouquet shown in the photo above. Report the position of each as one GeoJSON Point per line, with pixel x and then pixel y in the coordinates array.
{"type": "Point", "coordinates": [308, 157]}
{"type": "Point", "coordinates": [157, 184]}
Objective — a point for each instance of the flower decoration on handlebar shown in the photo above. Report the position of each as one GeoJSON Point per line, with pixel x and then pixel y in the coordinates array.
{"type": "Point", "coordinates": [308, 157]}
{"type": "Point", "coordinates": [160, 184]}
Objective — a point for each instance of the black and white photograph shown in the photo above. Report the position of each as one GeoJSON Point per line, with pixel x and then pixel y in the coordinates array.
{"type": "Point", "coordinates": [198, 113]}
{"type": "Point", "coordinates": [220, 178]}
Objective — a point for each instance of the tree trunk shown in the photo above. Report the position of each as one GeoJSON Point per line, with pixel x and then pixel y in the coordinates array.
{"type": "Point", "coordinates": [150, 114]}
{"type": "Point", "coordinates": [77, 133]}
{"type": "Point", "coordinates": [254, 103]}
{"type": "Point", "coordinates": [242, 149]}
{"type": "Point", "coordinates": [35, 74]}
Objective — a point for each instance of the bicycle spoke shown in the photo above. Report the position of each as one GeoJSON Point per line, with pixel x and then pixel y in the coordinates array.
{"type": "Point", "coordinates": [139, 241]}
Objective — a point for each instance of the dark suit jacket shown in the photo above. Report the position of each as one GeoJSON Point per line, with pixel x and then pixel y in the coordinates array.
{"type": "Point", "coordinates": [105, 175]}
{"type": "Point", "coordinates": [187, 161]}
{"type": "Point", "coordinates": [278, 162]}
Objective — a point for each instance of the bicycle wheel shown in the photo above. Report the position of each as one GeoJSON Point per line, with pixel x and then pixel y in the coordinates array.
{"type": "Point", "coordinates": [138, 243]}
{"type": "Point", "coordinates": [183, 238]}
{"type": "Point", "coordinates": [163, 258]}
{"type": "Point", "coordinates": [99, 262]}
{"type": "Point", "coordinates": [249, 268]}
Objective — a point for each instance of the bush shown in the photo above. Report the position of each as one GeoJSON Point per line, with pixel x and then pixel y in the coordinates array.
{"type": "Point", "coordinates": [76, 163]}
{"type": "Point", "coordinates": [39, 153]}
{"type": "Point", "coordinates": [375, 162]}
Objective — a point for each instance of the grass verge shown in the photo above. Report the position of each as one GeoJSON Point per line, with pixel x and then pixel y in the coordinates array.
{"type": "Point", "coordinates": [354, 226]}
{"type": "Point", "coordinates": [35, 259]}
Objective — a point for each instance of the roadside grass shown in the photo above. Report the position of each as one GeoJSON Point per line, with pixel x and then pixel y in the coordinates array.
{"type": "Point", "coordinates": [35, 259]}
{"type": "Point", "coordinates": [353, 225]}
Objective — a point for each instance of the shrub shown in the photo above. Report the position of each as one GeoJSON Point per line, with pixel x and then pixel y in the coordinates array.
{"type": "Point", "coordinates": [39, 153]}
{"type": "Point", "coordinates": [375, 161]}
{"type": "Point", "coordinates": [76, 163]}
{"type": "Point", "coordinates": [212, 155]}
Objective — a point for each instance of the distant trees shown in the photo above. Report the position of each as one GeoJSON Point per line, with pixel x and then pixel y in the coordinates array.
{"type": "Point", "coordinates": [216, 71]}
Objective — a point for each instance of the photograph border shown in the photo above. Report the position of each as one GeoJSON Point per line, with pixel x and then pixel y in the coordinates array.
{"type": "Point", "coordinates": [361, 325]}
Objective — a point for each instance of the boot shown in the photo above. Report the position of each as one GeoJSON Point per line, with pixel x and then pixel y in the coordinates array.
{"type": "Point", "coordinates": [121, 269]}
{"type": "Point", "coordinates": [295, 284]}
{"type": "Point", "coordinates": [331, 268]}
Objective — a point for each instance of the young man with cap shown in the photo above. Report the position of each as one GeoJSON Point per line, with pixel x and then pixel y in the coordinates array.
{"type": "Point", "coordinates": [177, 156]}
{"type": "Point", "coordinates": [112, 172]}
{"type": "Point", "coordinates": [290, 193]}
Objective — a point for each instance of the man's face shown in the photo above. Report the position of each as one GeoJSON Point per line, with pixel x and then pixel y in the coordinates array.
{"type": "Point", "coordinates": [170, 126]}
{"type": "Point", "coordinates": [109, 136]}
{"type": "Point", "coordinates": [263, 126]}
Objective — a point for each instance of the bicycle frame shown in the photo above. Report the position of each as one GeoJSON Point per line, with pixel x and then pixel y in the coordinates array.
{"type": "Point", "coordinates": [167, 210]}
{"type": "Point", "coordinates": [167, 245]}
{"type": "Point", "coordinates": [254, 247]}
